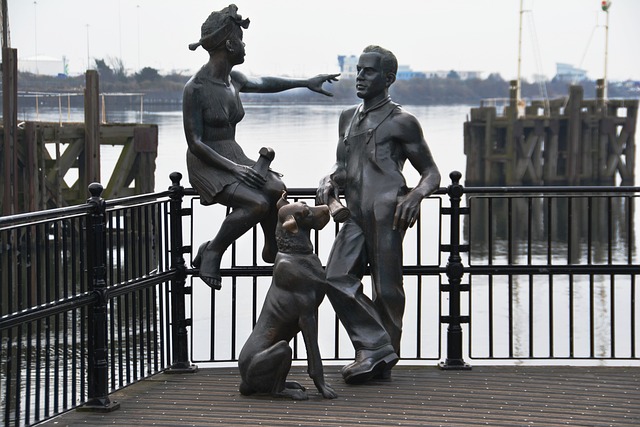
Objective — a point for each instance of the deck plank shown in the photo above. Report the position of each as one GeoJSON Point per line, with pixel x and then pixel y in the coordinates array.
{"type": "Point", "coordinates": [486, 395]}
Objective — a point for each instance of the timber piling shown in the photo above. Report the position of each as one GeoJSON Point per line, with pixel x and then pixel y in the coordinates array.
{"type": "Point", "coordinates": [48, 165]}
{"type": "Point", "coordinates": [566, 141]}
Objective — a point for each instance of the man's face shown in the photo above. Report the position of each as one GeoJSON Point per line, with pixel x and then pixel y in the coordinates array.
{"type": "Point", "coordinates": [371, 80]}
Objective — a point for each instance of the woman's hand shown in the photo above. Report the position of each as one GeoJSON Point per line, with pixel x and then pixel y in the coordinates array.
{"type": "Point", "coordinates": [315, 83]}
{"type": "Point", "coordinates": [248, 176]}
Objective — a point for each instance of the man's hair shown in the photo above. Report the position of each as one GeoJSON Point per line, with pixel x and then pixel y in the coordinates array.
{"type": "Point", "coordinates": [389, 62]}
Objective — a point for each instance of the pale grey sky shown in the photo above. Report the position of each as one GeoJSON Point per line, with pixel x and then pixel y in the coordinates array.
{"type": "Point", "coordinates": [302, 38]}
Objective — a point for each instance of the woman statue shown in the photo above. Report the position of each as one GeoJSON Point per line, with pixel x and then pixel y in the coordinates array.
{"type": "Point", "coordinates": [218, 168]}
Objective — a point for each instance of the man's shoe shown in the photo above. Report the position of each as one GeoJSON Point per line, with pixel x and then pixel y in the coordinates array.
{"type": "Point", "coordinates": [368, 364]}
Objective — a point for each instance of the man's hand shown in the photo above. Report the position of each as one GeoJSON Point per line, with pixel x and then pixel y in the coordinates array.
{"type": "Point", "coordinates": [315, 83]}
{"type": "Point", "coordinates": [407, 211]}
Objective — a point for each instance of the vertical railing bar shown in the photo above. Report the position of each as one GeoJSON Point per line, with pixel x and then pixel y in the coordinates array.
{"type": "Point", "coordinates": [632, 302]}
{"type": "Point", "coordinates": [612, 303]}
{"type": "Point", "coordinates": [31, 255]}
{"type": "Point", "coordinates": [418, 287]}
{"type": "Point", "coordinates": [490, 278]}
{"type": "Point", "coordinates": [47, 293]}
{"type": "Point", "coordinates": [65, 319]}
{"type": "Point", "coordinates": [630, 247]}
{"type": "Point", "coordinates": [18, 371]}
{"type": "Point", "coordinates": [165, 319]}
{"type": "Point", "coordinates": [510, 244]}
{"type": "Point", "coordinates": [20, 285]}
{"type": "Point", "coordinates": [128, 304]}
{"type": "Point", "coordinates": [121, 299]}
{"type": "Point", "coordinates": [529, 262]}
{"type": "Point", "coordinates": [570, 255]}
{"type": "Point", "coordinates": [10, 371]}
{"type": "Point", "coordinates": [56, 341]}
{"type": "Point", "coordinates": [76, 228]}
{"type": "Point", "coordinates": [549, 260]}
{"type": "Point", "coordinates": [38, 298]}
{"type": "Point", "coordinates": [610, 238]}
{"type": "Point", "coordinates": [592, 323]}
{"type": "Point", "coordinates": [112, 302]}
{"type": "Point", "coordinates": [135, 253]}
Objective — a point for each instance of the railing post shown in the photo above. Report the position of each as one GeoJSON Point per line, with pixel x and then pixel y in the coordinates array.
{"type": "Point", "coordinates": [98, 374]}
{"type": "Point", "coordinates": [179, 323]}
{"type": "Point", "coordinates": [455, 272]}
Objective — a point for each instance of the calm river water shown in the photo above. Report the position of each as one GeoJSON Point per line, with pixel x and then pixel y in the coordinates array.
{"type": "Point", "coordinates": [304, 138]}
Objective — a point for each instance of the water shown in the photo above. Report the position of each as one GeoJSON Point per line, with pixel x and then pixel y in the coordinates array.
{"type": "Point", "coordinates": [304, 138]}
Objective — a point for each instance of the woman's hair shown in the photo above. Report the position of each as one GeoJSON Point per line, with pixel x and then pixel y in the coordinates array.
{"type": "Point", "coordinates": [219, 26]}
{"type": "Point", "coordinates": [389, 62]}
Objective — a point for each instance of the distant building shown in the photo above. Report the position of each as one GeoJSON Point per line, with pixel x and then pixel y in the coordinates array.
{"type": "Point", "coordinates": [348, 68]}
{"type": "Point", "coordinates": [406, 73]}
{"type": "Point", "coordinates": [463, 75]}
{"type": "Point", "coordinates": [43, 65]}
{"type": "Point", "coordinates": [567, 72]}
{"type": "Point", "coordinates": [348, 65]}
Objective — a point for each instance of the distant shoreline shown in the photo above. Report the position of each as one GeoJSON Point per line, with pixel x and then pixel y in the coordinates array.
{"type": "Point", "coordinates": [167, 91]}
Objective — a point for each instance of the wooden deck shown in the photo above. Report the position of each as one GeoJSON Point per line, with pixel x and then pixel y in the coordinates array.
{"type": "Point", "coordinates": [494, 396]}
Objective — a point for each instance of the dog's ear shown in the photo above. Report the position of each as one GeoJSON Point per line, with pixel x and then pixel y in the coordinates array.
{"type": "Point", "coordinates": [283, 200]}
{"type": "Point", "coordinates": [290, 224]}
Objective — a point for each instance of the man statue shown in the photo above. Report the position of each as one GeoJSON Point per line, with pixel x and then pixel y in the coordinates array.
{"type": "Point", "coordinates": [376, 137]}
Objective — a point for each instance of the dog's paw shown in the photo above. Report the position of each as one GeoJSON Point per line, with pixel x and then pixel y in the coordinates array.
{"type": "Point", "coordinates": [327, 392]}
{"type": "Point", "coordinates": [293, 394]}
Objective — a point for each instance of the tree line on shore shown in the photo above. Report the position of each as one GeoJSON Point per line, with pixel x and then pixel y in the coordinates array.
{"type": "Point", "coordinates": [167, 89]}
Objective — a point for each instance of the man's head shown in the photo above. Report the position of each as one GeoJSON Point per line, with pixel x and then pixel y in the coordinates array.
{"type": "Point", "coordinates": [388, 61]}
{"type": "Point", "coordinates": [377, 69]}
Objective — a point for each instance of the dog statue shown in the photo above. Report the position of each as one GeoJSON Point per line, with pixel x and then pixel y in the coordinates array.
{"type": "Point", "coordinates": [291, 306]}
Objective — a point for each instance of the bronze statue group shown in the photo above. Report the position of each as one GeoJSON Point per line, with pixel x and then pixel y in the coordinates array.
{"type": "Point", "coordinates": [376, 138]}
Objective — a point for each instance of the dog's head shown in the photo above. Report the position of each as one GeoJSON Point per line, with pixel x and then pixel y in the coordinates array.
{"type": "Point", "coordinates": [295, 221]}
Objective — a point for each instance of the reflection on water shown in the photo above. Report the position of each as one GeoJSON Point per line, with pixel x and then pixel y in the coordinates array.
{"type": "Point", "coordinates": [540, 315]}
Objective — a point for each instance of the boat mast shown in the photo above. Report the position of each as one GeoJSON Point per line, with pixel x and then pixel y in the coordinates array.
{"type": "Point", "coordinates": [518, 93]}
{"type": "Point", "coordinates": [606, 4]}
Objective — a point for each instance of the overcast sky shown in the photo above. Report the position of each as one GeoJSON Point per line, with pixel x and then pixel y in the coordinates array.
{"type": "Point", "coordinates": [302, 38]}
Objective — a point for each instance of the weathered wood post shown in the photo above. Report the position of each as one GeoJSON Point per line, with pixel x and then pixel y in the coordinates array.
{"type": "Point", "coordinates": [10, 123]}
{"type": "Point", "coordinates": [89, 170]}
{"type": "Point", "coordinates": [573, 113]}
{"type": "Point", "coordinates": [455, 272]}
{"type": "Point", "coordinates": [179, 322]}
{"type": "Point", "coordinates": [98, 373]}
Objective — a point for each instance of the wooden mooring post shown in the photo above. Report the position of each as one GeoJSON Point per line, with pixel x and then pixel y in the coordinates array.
{"type": "Point", "coordinates": [39, 159]}
{"type": "Point", "coordinates": [570, 141]}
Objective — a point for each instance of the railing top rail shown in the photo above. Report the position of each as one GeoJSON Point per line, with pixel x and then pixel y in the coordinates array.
{"type": "Point", "coordinates": [140, 198]}
{"type": "Point", "coordinates": [38, 216]}
{"type": "Point", "coordinates": [551, 189]}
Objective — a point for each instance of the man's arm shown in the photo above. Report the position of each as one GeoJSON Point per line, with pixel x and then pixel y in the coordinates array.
{"type": "Point", "coordinates": [417, 152]}
{"type": "Point", "coordinates": [280, 84]}
{"type": "Point", "coordinates": [329, 185]}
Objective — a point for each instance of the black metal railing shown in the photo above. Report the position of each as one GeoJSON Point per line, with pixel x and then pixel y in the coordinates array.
{"type": "Point", "coordinates": [86, 303]}
{"type": "Point", "coordinates": [98, 296]}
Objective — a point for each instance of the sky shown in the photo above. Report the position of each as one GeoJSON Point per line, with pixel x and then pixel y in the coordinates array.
{"type": "Point", "coordinates": [302, 38]}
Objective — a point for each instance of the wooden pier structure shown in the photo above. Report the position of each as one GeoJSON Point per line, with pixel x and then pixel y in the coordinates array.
{"type": "Point", "coordinates": [567, 141]}
{"type": "Point", "coordinates": [47, 165]}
